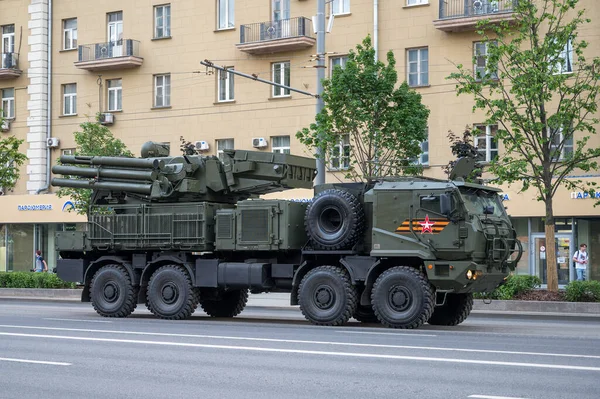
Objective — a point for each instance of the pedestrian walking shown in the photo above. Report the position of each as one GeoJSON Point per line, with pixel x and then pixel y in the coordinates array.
{"type": "Point", "coordinates": [580, 258]}
{"type": "Point", "coordinates": [40, 263]}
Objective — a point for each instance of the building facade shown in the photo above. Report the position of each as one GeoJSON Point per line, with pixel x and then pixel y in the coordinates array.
{"type": "Point", "coordinates": [138, 65]}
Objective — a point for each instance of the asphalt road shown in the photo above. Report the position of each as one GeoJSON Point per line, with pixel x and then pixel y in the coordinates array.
{"type": "Point", "coordinates": [64, 350]}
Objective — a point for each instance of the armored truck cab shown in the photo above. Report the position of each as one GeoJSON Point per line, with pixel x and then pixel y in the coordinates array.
{"type": "Point", "coordinates": [178, 232]}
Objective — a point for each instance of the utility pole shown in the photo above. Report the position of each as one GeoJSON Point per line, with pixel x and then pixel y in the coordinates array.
{"type": "Point", "coordinates": [320, 28]}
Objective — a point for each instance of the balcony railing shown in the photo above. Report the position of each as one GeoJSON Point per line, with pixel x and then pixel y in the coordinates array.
{"type": "Point", "coordinates": [460, 15]}
{"type": "Point", "coordinates": [119, 54]}
{"type": "Point", "coordinates": [9, 66]}
{"type": "Point", "coordinates": [276, 36]}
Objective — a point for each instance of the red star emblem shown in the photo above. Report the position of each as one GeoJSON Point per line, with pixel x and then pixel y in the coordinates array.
{"type": "Point", "coordinates": [426, 226]}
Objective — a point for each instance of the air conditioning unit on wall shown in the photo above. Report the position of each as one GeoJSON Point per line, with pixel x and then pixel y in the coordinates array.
{"type": "Point", "coordinates": [52, 142]}
{"type": "Point", "coordinates": [5, 125]}
{"type": "Point", "coordinates": [107, 118]}
{"type": "Point", "coordinates": [202, 145]}
{"type": "Point", "coordinates": [259, 142]}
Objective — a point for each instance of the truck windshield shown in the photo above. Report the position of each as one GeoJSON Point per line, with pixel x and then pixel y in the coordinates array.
{"type": "Point", "coordinates": [477, 200]}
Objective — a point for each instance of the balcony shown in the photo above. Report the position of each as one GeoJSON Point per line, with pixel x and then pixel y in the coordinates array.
{"type": "Point", "coordinates": [464, 15]}
{"type": "Point", "coordinates": [9, 66]}
{"type": "Point", "coordinates": [120, 54]}
{"type": "Point", "coordinates": [276, 36]}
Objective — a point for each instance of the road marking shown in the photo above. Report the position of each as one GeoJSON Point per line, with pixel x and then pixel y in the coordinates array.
{"type": "Point", "coordinates": [86, 321]}
{"type": "Point", "coordinates": [384, 333]}
{"type": "Point", "coordinates": [296, 341]}
{"type": "Point", "coordinates": [493, 397]}
{"type": "Point", "coordinates": [6, 359]}
{"type": "Point", "coordinates": [308, 352]}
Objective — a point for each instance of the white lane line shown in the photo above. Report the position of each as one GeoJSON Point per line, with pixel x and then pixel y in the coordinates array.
{"type": "Point", "coordinates": [493, 397]}
{"type": "Point", "coordinates": [384, 333]}
{"type": "Point", "coordinates": [86, 321]}
{"type": "Point", "coordinates": [309, 352]}
{"type": "Point", "coordinates": [6, 359]}
{"type": "Point", "coordinates": [297, 341]}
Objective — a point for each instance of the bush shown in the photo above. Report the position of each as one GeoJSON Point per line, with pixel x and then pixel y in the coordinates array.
{"type": "Point", "coordinates": [32, 280]}
{"type": "Point", "coordinates": [513, 286]}
{"type": "Point", "coordinates": [583, 291]}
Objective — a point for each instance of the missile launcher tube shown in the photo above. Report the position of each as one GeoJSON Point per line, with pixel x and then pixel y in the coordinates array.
{"type": "Point", "coordinates": [138, 188]}
{"type": "Point", "coordinates": [145, 175]}
{"type": "Point", "coordinates": [141, 163]}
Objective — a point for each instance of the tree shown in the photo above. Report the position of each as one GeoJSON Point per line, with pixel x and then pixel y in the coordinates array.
{"type": "Point", "coordinates": [462, 147]}
{"type": "Point", "coordinates": [542, 92]}
{"type": "Point", "coordinates": [10, 160]}
{"type": "Point", "coordinates": [94, 140]}
{"type": "Point", "coordinates": [368, 127]}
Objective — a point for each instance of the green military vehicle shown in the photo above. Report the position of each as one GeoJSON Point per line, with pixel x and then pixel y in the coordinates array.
{"type": "Point", "coordinates": [177, 231]}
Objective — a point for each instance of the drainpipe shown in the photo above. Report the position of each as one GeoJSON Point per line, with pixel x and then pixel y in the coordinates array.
{"type": "Point", "coordinates": [48, 100]}
{"type": "Point", "coordinates": [376, 28]}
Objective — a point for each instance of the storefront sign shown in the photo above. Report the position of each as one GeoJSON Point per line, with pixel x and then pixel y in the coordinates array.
{"type": "Point", "coordinates": [40, 207]}
{"type": "Point", "coordinates": [584, 194]}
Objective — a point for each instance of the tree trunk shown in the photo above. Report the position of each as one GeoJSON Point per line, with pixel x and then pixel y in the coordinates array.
{"type": "Point", "coordinates": [551, 270]}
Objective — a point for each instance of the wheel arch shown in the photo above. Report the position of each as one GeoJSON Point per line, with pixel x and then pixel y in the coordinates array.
{"type": "Point", "coordinates": [99, 263]}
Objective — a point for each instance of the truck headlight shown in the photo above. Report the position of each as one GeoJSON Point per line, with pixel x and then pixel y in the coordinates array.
{"type": "Point", "coordinates": [469, 274]}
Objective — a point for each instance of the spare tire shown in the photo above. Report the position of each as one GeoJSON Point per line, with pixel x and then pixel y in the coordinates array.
{"type": "Point", "coordinates": [334, 220]}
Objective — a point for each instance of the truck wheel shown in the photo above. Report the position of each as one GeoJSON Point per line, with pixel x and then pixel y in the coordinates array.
{"type": "Point", "coordinates": [231, 304]}
{"type": "Point", "coordinates": [402, 298]}
{"type": "Point", "coordinates": [456, 310]}
{"type": "Point", "coordinates": [334, 220]}
{"type": "Point", "coordinates": [170, 293]}
{"type": "Point", "coordinates": [112, 293]}
{"type": "Point", "coordinates": [365, 314]}
{"type": "Point", "coordinates": [327, 297]}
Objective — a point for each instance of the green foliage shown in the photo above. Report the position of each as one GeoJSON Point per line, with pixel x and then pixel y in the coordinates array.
{"type": "Point", "coordinates": [583, 291]}
{"type": "Point", "coordinates": [10, 160]}
{"type": "Point", "coordinates": [93, 140]}
{"type": "Point", "coordinates": [462, 147]}
{"type": "Point", "coordinates": [545, 116]}
{"type": "Point", "coordinates": [32, 280]}
{"type": "Point", "coordinates": [385, 124]}
{"type": "Point", "coordinates": [514, 285]}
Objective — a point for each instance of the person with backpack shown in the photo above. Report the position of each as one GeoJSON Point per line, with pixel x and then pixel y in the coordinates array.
{"type": "Point", "coordinates": [580, 258]}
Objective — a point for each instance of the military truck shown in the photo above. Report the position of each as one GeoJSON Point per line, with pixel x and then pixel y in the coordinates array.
{"type": "Point", "coordinates": [175, 232]}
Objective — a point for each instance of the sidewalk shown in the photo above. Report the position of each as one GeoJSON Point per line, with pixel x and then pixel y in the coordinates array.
{"type": "Point", "coordinates": [282, 301]}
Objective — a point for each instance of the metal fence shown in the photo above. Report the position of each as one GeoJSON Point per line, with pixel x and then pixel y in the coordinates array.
{"type": "Point", "coordinates": [117, 48]}
{"type": "Point", "coordinates": [470, 8]}
{"type": "Point", "coordinates": [9, 60]}
{"type": "Point", "coordinates": [273, 30]}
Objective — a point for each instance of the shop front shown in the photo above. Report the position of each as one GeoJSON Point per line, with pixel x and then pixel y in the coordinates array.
{"type": "Point", "coordinates": [29, 223]}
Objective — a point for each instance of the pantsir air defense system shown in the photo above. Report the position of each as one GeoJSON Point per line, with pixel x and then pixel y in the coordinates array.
{"type": "Point", "coordinates": [175, 232]}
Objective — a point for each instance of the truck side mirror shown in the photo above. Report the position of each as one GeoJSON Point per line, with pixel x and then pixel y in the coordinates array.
{"type": "Point", "coordinates": [445, 204]}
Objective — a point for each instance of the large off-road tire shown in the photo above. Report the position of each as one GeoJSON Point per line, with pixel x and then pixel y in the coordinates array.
{"type": "Point", "coordinates": [365, 314]}
{"type": "Point", "coordinates": [112, 293]}
{"type": "Point", "coordinates": [334, 220]}
{"type": "Point", "coordinates": [170, 293]}
{"type": "Point", "coordinates": [402, 298]}
{"type": "Point", "coordinates": [231, 304]}
{"type": "Point", "coordinates": [327, 297]}
{"type": "Point", "coordinates": [456, 310]}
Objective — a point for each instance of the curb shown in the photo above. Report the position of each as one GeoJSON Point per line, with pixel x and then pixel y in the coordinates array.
{"type": "Point", "coordinates": [282, 301]}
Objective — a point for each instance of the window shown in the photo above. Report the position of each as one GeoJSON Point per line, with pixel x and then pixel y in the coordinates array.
{"type": "Point", "coordinates": [418, 67]}
{"type": "Point", "coordinates": [225, 10]}
{"type": "Point", "coordinates": [8, 103]}
{"type": "Point", "coordinates": [430, 203]}
{"type": "Point", "coordinates": [340, 154]}
{"type": "Point", "coordinates": [8, 59]}
{"type": "Point", "coordinates": [70, 34]}
{"type": "Point", "coordinates": [564, 64]}
{"type": "Point", "coordinates": [162, 90]}
{"type": "Point", "coordinates": [481, 68]}
{"type": "Point", "coordinates": [424, 157]}
{"type": "Point", "coordinates": [281, 75]}
{"type": "Point", "coordinates": [558, 138]}
{"type": "Point", "coordinates": [225, 85]}
{"type": "Point", "coordinates": [337, 61]}
{"type": "Point", "coordinates": [224, 144]}
{"type": "Point", "coordinates": [115, 95]}
{"type": "Point", "coordinates": [416, 2]}
{"type": "Point", "coordinates": [485, 142]}
{"type": "Point", "coordinates": [162, 21]}
{"type": "Point", "coordinates": [70, 99]}
{"type": "Point", "coordinates": [280, 144]}
{"type": "Point", "coordinates": [340, 7]}
{"type": "Point", "coordinates": [68, 151]}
